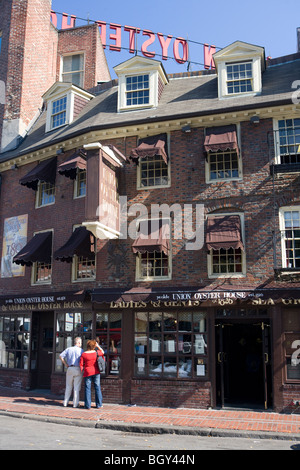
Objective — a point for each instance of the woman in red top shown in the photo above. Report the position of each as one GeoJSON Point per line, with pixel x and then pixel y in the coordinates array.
{"type": "Point", "coordinates": [91, 373]}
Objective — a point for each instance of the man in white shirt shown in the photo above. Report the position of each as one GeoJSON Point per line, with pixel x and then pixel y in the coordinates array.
{"type": "Point", "coordinates": [70, 358]}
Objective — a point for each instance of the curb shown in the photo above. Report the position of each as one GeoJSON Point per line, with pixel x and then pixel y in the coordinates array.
{"type": "Point", "coordinates": [154, 429]}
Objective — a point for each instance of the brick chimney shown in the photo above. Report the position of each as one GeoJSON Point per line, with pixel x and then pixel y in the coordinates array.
{"type": "Point", "coordinates": [27, 64]}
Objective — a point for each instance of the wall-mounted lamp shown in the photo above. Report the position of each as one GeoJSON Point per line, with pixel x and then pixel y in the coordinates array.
{"type": "Point", "coordinates": [254, 119]}
{"type": "Point", "coordinates": [60, 151]}
{"type": "Point", "coordinates": [14, 167]}
{"type": "Point", "coordinates": [186, 129]}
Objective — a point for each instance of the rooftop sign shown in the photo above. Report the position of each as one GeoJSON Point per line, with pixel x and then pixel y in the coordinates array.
{"type": "Point", "coordinates": [111, 36]}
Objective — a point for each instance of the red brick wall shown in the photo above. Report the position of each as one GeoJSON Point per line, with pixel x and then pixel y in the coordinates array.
{"type": "Point", "coordinates": [165, 393]}
{"type": "Point", "coordinates": [85, 39]}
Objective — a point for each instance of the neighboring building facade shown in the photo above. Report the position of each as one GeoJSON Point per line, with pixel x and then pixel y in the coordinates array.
{"type": "Point", "coordinates": [160, 214]}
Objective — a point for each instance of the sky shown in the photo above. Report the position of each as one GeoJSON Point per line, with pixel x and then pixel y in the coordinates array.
{"type": "Point", "coordinates": [270, 24]}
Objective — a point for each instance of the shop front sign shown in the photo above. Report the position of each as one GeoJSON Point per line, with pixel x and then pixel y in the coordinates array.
{"type": "Point", "coordinates": [42, 302]}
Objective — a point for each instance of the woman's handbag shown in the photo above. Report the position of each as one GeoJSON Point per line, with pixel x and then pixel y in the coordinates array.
{"type": "Point", "coordinates": [101, 363]}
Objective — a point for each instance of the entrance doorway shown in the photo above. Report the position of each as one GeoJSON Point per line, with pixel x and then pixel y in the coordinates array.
{"type": "Point", "coordinates": [243, 368]}
{"type": "Point", "coordinates": [43, 327]}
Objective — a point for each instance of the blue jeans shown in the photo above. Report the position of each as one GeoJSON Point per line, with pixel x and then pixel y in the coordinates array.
{"type": "Point", "coordinates": [87, 387]}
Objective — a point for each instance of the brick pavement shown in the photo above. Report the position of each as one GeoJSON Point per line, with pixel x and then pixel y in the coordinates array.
{"type": "Point", "coordinates": [150, 419]}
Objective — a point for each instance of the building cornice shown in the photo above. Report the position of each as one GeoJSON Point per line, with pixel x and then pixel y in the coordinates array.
{"type": "Point", "coordinates": [151, 126]}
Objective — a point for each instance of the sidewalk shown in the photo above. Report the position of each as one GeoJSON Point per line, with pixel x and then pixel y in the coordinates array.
{"type": "Point", "coordinates": [45, 407]}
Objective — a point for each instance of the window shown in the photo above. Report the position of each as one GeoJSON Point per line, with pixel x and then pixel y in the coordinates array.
{"type": "Point", "coordinates": [141, 82]}
{"type": "Point", "coordinates": [45, 194]}
{"type": "Point", "coordinates": [14, 341]}
{"type": "Point", "coordinates": [73, 69]}
{"type": "Point", "coordinates": [80, 184]}
{"type": "Point", "coordinates": [84, 268]}
{"type": "Point", "coordinates": [223, 165]}
{"type": "Point", "coordinates": [239, 78]}
{"type": "Point", "coordinates": [291, 344]}
{"type": "Point", "coordinates": [290, 237]}
{"type": "Point", "coordinates": [153, 265]}
{"type": "Point", "coordinates": [170, 345]}
{"type": "Point", "coordinates": [109, 333]}
{"type": "Point", "coordinates": [153, 250]}
{"type": "Point", "coordinates": [224, 241]}
{"type": "Point", "coordinates": [59, 112]}
{"type": "Point", "coordinates": [153, 172]}
{"type": "Point", "coordinates": [287, 138]}
{"type": "Point", "coordinates": [227, 261]}
{"type": "Point", "coordinates": [42, 273]}
{"type": "Point", "coordinates": [69, 325]}
{"type": "Point", "coordinates": [137, 90]}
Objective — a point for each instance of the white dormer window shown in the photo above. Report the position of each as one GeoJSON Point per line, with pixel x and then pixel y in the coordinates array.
{"type": "Point", "coordinates": [59, 112]}
{"type": "Point", "coordinates": [64, 103]}
{"type": "Point", "coordinates": [137, 90]}
{"type": "Point", "coordinates": [239, 78]}
{"type": "Point", "coordinates": [239, 68]}
{"type": "Point", "coordinates": [141, 83]}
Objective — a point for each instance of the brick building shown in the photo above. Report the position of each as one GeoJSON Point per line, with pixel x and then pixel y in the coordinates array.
{"type": "Point", "coordinates": [158, 213]}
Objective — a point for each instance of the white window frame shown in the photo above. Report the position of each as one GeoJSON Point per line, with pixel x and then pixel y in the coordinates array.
{"type": "Point", "coordinates": [36, 264]}
{"type": "Point", "coordinates": [62, 73]}
{"type": "Point", "coordinates": [69, 110]}
{"type": "Point", "coordinates": [75, 259]}
{"type": "Point", "coordinates": [256, 77]}
{"type": "Point", "coordinates": [276, 138]}
{"type": "Point", "coordinates": [139, 171]}
{"type": "Point", "coordinates": [138, 270]}
{"type": "Point", "coordinates": [153, 91]}
{"type": "Point", "coordinates": [40, 187]}
{"type": "Point", "coordinates": [282, 211]}
{"type": "Point", "coordinates": [212, 275]}
{"type": "Point", "coordinates": [240, 162]}
{"type": "Point", "coordinates": [240, 79]}
{"type": "Point", "coordinates": [76, 184]}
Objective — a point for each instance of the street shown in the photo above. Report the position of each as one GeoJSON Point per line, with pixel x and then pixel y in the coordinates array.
{"type": "Point", "coordinates": [27, 434]}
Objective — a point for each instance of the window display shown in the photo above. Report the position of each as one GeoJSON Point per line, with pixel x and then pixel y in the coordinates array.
{"type": "Point", "coordinates": [170, 344]}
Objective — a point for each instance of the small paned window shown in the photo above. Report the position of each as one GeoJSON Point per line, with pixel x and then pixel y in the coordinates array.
{"type": "Point", "coordinates": [223, 165]}
{"type": "Point", "coordinates": [171, 345]}
{"type": "Point", "coordinates": [45, 194]}
{"type": "Point", "coordinates": [73, 69]}
{"type": "Point", "coordinates": [59, 112]}
{"type": "Point", "coordinates": [153, 171]}
{"type": "Point", "coordinates": [227, 261]}
{"type": "Point", "coordinates": [291, 344]}
{"type": "Point", "coordinates": [69, 325]}
{"type": "Point", "coordinates": [42, 273]}
{"type": "Point", "coordinates": [239, 78]}
{"type": "Point", "coordinates": [288, 140]}
{"type": "Point", "coordinates": [290, 235]}
{"type": "Point", "coordinates": [109, 335]}
{"type": "Point", "coordinates": [84, 268]}
{"type": "Point", "coordinates": [14, 341]}
{"type": "Point", "coordinates": [80, 184]}
{"type": "Point", "coordinates": [137, 90]}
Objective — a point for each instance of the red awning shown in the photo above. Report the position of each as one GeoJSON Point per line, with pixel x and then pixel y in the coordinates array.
{"type": "Point", "coordinates": [154, 235]}
{"type": "Point", "coordinates": [44, 171]}
{"type": "Point", "coordinates": [221, 139]}
{"type": "Point", "coordinates": [81, 243]}
{"type": "Point", "coordinates": [39, 248]}
{"type": "Point", "coordinates": [224, 232]}
{"type": "Point", "coordinates": [151, 146]}
{"type": "Point", "coordinates": [76, 161]}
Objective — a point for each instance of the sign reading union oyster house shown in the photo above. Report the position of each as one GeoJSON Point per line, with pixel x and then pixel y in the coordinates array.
{"type": "Point", "coordinates": [54, 301]}
{"type": "Point", "coordinates": [138, 298]}
{"type": "Point", "coordinates": [111, 36]}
